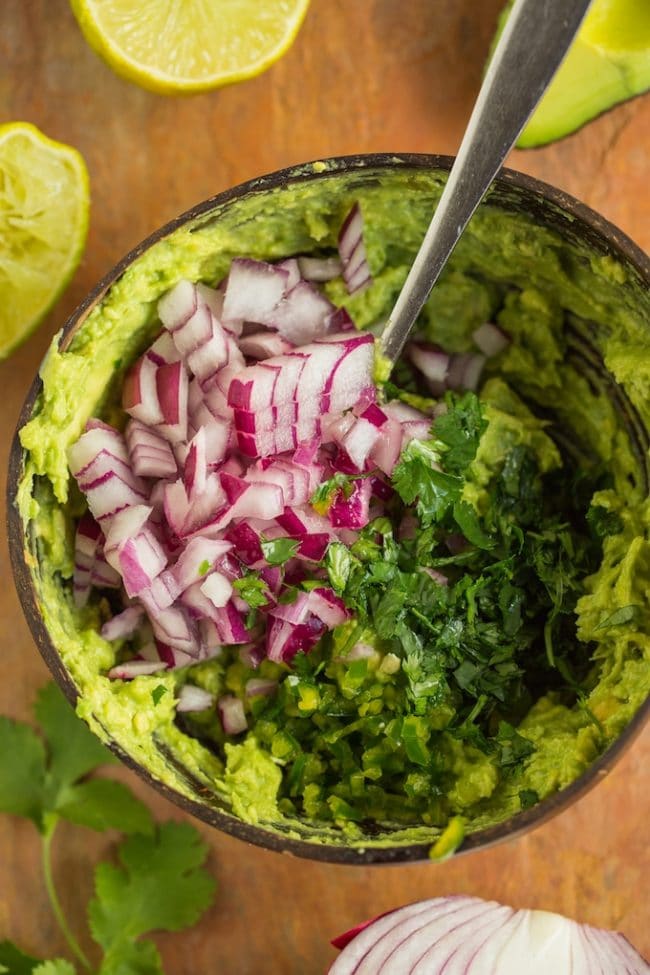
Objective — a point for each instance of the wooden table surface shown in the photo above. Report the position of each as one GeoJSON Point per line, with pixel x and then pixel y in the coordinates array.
{"type": "Point", "coordinates": [365, 76]}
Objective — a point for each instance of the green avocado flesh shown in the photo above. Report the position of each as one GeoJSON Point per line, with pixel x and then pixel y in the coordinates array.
{"type": "Point", "coordinates": [568, 308]}
{"type": "Point", "coordinates": [608, 63]}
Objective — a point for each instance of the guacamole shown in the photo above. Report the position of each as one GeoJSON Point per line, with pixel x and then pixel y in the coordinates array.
{"type": "Point", "coordinates": [566, 309]}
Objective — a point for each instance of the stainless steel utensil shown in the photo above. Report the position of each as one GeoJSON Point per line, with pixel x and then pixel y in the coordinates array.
{"type": "Point", "coordinates": [536, 37]}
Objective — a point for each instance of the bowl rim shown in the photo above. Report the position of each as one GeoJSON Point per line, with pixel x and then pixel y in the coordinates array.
{"type": "Point", "coordinates": [616, 243]}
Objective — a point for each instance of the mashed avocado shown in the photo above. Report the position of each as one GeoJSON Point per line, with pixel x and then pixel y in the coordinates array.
{"type": "Point", "coordinates": [567, 309]}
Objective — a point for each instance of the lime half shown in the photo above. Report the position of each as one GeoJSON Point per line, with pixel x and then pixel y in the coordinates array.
{"type": "Point", "coordinates": [183, 46]}
{"type": "Point", "coordinates": [44, 205]}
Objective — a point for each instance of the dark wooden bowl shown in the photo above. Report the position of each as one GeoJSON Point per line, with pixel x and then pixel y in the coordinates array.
{"type": "Point", "coordinates": [549, 207]}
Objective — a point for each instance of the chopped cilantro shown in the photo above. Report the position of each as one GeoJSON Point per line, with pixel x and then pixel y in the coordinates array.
{"type": "Point", "coordinates": [528, 798]}
{"type": "Point", "coordinates": [604, 522]}
{"type": "Point", "coordinates": [204, 567]}
{"type": "Point", "coordinates": [252, 590]}
{"type": "Point", "coordinates": [459, 430]}
{"type": "Point", "coordinates": [158, 693]}
{"type": "Point", "coordinates": [277, 551]}
{"type": "Point", "coordinates": [473, 607]}
{"type": "Point", "coordinates": [338, 561]}
{"type": "Point", "coordinates": [514, 748]}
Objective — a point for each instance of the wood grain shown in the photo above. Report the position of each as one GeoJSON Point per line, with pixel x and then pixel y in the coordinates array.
{"type": "Point", "coordinates": [367, 76]}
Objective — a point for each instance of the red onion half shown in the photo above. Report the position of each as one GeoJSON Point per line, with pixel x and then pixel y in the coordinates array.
{"type": "Point", "coordinates": [469, 936]}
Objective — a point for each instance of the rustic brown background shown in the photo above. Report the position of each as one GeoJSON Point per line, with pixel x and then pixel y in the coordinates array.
{"type": "Point", "coordinates": [363, 76]}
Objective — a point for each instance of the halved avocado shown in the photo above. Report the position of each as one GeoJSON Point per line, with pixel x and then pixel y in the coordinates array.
{"type": "Point", "coordinates": [608, 63]}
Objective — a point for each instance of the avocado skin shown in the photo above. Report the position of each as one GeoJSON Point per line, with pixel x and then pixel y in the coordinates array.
{"type": "Point", "coordinates": [594, 77]}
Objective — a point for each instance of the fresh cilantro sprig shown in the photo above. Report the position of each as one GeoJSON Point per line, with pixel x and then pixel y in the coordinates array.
{"type": "Point", "coordinates": [160, 883]}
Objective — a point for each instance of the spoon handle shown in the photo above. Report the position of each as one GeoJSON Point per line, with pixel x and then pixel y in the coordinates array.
{"type": "Point", "coordinates": [535, 39]}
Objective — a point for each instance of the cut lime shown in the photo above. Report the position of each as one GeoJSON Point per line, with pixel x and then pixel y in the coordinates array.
{"type": "Point", "coordinates": [44, 204]}
{"type": "Point", "coordinates": [183, 46]}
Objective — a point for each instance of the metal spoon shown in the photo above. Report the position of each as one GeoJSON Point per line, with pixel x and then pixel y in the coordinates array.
{"type": "Point", "coordinates": [536, 37]}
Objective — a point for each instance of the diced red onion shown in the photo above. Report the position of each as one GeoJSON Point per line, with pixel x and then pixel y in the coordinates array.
{"type": "Point", "coordinates": [173, 627]}
{"type": "Point", "coordinates": [96, 440]}
{"type": "Point", "coordinates": [438, 577]}
{"type": "Point", "coordinates": [104, 576]}
{"type": "Point", "coordinates": [149, 453]}
{"type": "Point", "coordinates": [251, 655]}
{"type": "Point", "coordinates": [163, 351]}
{"type": "Point", "coordinates": [254, 289]}
{"type": "Point", "coordinates": [126, 524]}
{"type": "Point", "coordinates": [284, 640]}
{"type": "Point", "coordinates": [328, 607]}
{"type": "Point", "coordinates": [473, 370]}
{"type": "Point", "coordinates": [192, 698]}
{"type": "Point", "coordinates": [172, 388]}
{"type": "Point", "coordinates": [217, 588]}
{"type": "Point", "coordinates": [359, 442]}
{"type": "Point", "coordinates": [177, 306]}
{"type": "Point", "coordinates": [320, 268]}
{"type": "Point", "coordinates": [136, 668]}
{"type": "Point", "coordinates": [490, 339]}
{"type": "Point", "coordinates": [124, 625]}
{"type": "Point", "coordinates": [415, 430]}
{"type": "Point", "coordinates": [110, 493]}
{"type": "Point", "coordinates": [433, 363]}
{"type": "Point", "coordinates": [140, 392]}
{"type": "Point", "coordinates": [232, 714]}
{"type": "Point", "coordinates": [302, 314]}
{"type": "Point", "coordinates": [360, 651]}
{"type": "Point", "coordinates": [207, 359]}
{"type": "Point", "coordinates": [141, 559]}
{"type": "Point", "coordinates": [260, 687]}
{"type": "Point", "coordinates": [292, 267]}
{"type": "Point", "coordinates": [352, 512]}
{"type": "Point", "coordinates": [263, 345]}
{"type": "Point", "coordinates": [340, 321]}
{"type": "Point", "coordinates": [385, 453]}
{"type": "Point", "coordinates": [196, 468]}
{"type": "Point", "coordinates": [356, 272]}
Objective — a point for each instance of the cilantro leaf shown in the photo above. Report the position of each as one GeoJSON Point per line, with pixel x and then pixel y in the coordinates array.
{"type": "Point", "coordinates": [277, 551]}
{"type": "Point", "coordinates": [252, 589]}
{"type": "Point", "coordinates": [204, 567]}
{"type": "Point", "coordinates": [338, 561]}
{"type": "Point", "coordinates": [136, 958]}
{"type": "Point", "coordinates": [41, 780]}
{"type": "Point", "coordinates": [528, 798]}
{"type": "Point", "coordinates": [467, 520]}
{"type": "Point", "coordinates": [57, 966]}
{"type": "Point", "coordinates": [159, 885]}
{"type": "Point", "coordinates": [460, 430]}
{"type": "Point", "coordinates": [158, 693]}
{"type": "Point", "coordinates": [626, 614]}
{"type": "Point", "coordinates": [514, 748]}
{"type": "Point", "coordinates": [604, 522]}
{"type": "Point", "coordinates": [73, 748]}
{"type": "Point", "coordinates": [22, 771]}
{"type": "Point", "coordinates": [104, 804]}
{"type": "Point", "coordinates": [15, 961]}
{"type": "Point", "coordinates": [418, 477]}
